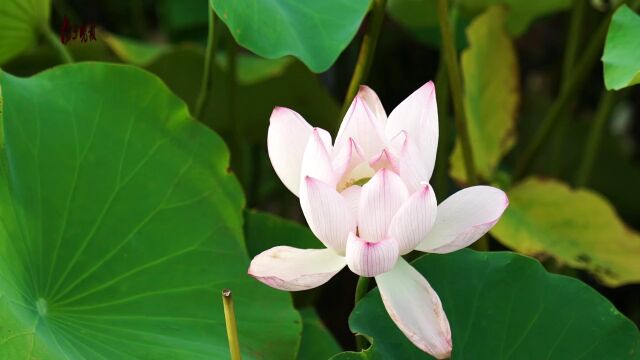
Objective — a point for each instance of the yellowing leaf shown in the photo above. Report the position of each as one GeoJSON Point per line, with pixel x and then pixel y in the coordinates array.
{"type": "Point", "coordinates": [491, 94]}
{"type": "Point", "coordinates": [577, 227]}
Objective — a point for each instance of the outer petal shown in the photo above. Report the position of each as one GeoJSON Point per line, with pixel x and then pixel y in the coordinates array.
{"type": "Point", "coordinates": [418, 116]}
{"type": "Point", "coordinates": [327, 213]}
{"type": "Point", "coordinates": [409, 165]}
{"type": "Point", "coordinates": [416, 309]}
{"type": "Point", "coordinates": [316, 161]}
{"type": "Point", "coordinates": [373, 102]}
{"type": "Point", "coordinates": [414, 220]}
{"type": "Point", "coordinates": [371, 258]}
{"type": "Point", "coordinates": [463, 218]}
{"type": "Point", "coordinates": [291, 269]}
{"type": "Point", "coordinates": [380, 199]}
{"type": "Point", "coordinates": [360, 124]}
{"type": "Point", "coordinates": [286, 151]}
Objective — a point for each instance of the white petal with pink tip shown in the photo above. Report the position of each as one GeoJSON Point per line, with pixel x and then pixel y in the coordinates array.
{"type": "Point", "coordinates": [291, 269]}
{"type": "Point", "coordinates": [360, 124]}
{"type": "Point", "coordinates": [380, 198]}
{"type": "Point", "coordinates": [415, 307]}
{"type": "Point", "coordinates": [418, 116]}
{"type": "Point", "coordinates": [316, 161]}
{"type": "Point", "coordinates": [463, 218]}
{"type": "Point", "coordinates": [414, 219]}
{"type": "Point", "coordinates": [371, 258]}
{"type": "Point", "coordinates": [286, 151]}
{"type": "Point", "coordinates": [327, 213]}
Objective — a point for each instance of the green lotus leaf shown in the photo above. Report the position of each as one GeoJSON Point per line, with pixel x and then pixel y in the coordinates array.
{"type": "Point", "coordinates": [120, 225]}
{"type": "Point", "coordinates": [502, 305]}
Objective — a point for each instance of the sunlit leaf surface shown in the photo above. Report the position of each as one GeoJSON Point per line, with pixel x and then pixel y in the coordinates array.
{"type": "Point", "coordinates": [120, 225]}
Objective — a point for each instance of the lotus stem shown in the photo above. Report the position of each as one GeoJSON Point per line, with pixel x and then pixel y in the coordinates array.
{"type": "Point", "coordinates": [232, 327]}
{"type": "Point", "coordinates": [57, 45]}
{"type": "Point", "coordinates": [444, 142]}
{"type": "Point", "coordinates": [455, 84]}
{"type": "Point", "coordinates": [365, 56]}
{"type": "Point", "coordinates": [361, 290]}
{"type": "Point", "coordinates": [581, 71]}
{"type": "Point", "coordinates": [607, 101]}
{"type": "Point", "coordinates": [205, 83]}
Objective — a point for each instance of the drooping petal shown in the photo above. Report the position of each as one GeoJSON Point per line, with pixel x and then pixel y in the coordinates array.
{"type": "Point", "coordinates": [360, 124]}
{"type": "Point", "coordinates": [352, 196]}
{"type": "Point", "coordinates": [463, 218]}
{"type": "Point", "coordinates": [346, 159]}
{"type": "Point", "coordinates": [286, 151]}
{"type": "Point", "coordinates": [373, 102]}
{"type": "Point", "coordinates": [414, 219]}
{"type": "Point", "coordinates": [371, 258]}
{"type": "Point", "coordinates": [316, 161]}
{"type": "Point", "coordinates": [415, 307]}
{"type": "Point", "coordinates": [409, 165]}
{"type": "Point", "coordinates": [327, 213]}
{"type": "Point", "coordinates": [291, 269]}
{"type": "Point", "coordinates": [418, 116]}
{"type": "Point", "coordinates": [380, 199]}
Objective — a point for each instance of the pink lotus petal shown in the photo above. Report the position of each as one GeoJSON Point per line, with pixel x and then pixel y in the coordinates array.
{"type": "Point", "coordinates": [371, 258]}
{"type": "Point", "coordinates": [291, 269]}
{"type": "Point", "coordinates": [414, 219]}
{"type": "Point", "coordinates": [286, 151]}
{"type": "Point", "coordinates": [327, 213]}
{"type": "Point", "coordinates": [380, 199]}
{"type": "Point", "coordinates": [373, 102]}
{"type": "Point", "coordinates": [418, 116]}
{"type": "Point", "coordinates": [463, 218]}
{"type": "Point", "coordinates": [410, 166]}
{"type": "Point", "coordinates": [384, 160]}
{"type": "Point", "coordinates": [360, 124]}
{"type": "Point", "coordinates": [352, 196]}
{"type": "Point", "coordinates": [316, 161]}
{"type": "Point", "coordinates": [346, 159]}
{"type": "Point", "coordinates": [415, 307]}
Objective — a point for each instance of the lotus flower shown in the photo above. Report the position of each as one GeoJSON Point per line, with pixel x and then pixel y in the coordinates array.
{"type": "Point", "coordinates": [367, 199]}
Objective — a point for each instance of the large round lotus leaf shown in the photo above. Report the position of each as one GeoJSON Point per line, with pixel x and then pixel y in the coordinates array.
{"type": "Point", "coordinates": [20, 22]}
{"type": "Point", "coordinates": [504, 306]}
{"type": "Point", "coordinates": [120, 225]}
{"type": "Point", "coordinates": [314, 31]}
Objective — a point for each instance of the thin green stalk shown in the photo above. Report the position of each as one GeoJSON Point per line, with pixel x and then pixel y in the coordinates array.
{"type": "Point", "coordinates": [239, 156]}
{"type": "Point", "coordinates": [205, 83]}
{"type": "Point", "coordinates": [578, 76]}
{"type": "Point", "coordinates": [572, 47]}
{"type": "Point", "coordinates": [231, 324]}
{"type": "Point", "coordinates": [56, 44]}
{"type": "Point", "coordinates": [455, 84]}
{"type": "Point", "coordinates": [444, 142]}
{"type": "Point", "coordinates": [574, 38]}
{"type": "Point", "coordinates": [361, 290]}
{"type": "Point", "coordinates": [607, 101]}
{"type": "Point", "coordinates": [365, 56]}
